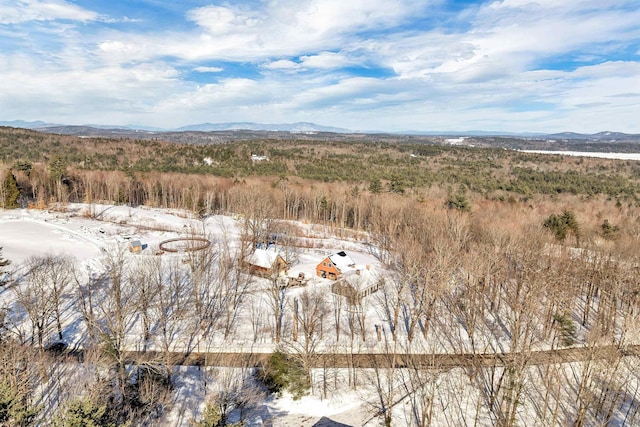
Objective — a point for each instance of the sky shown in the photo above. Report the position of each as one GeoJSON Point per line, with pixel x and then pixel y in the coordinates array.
{"type": "Point", "coordinates": [367, 65]}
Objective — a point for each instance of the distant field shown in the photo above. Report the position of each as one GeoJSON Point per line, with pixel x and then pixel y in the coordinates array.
{"type": "Point", "coordinates": [617, 156]}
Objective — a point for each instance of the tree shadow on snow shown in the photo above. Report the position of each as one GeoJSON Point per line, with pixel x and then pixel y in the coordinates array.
{"type": "Point", "coordinates": [326, 422]}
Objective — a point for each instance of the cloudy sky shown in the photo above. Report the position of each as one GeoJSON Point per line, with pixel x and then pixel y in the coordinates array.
{"type": "Point", "coordinates": [431, 65]}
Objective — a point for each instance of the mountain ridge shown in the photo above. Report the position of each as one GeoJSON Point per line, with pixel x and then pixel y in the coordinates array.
{"type": "Point", "coordinates": [302, 127]}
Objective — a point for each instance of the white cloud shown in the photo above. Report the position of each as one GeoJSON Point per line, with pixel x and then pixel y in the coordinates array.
{"type": "Point", "coordinates": [81, 94]}
{"type": "Point", "coordinates": [220, 20]}
{"type": "Point", "coordinates": [282, 64]}
{"type": "Point", "coordinates": [277, 29]}
{"type": "Point", "coordinates": [124, 19]}
{"type": "Point", "coordinates": [208, 69]}
{"type": "Point", "coordinates": [325, 60]}
{"type": "Point", "coordinates": [509, 40]}
{"type": "Point", "coordinates": [14, 12]}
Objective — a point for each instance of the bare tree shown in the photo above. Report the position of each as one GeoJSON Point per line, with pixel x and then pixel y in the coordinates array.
{"type": "Point", "coordinates": [420, 387]}
{"type": "Point", "coordinates": [113, 310]}
{"type": "Point", "coordinates": [60, 270]}
{"type": "Point", "coordinates": [3, 263]}
{"type": "Point", "coordinates": [311, 311]}
{"type": "Point", "coordinates": [33, 296]}
{"type": "Point", "coordinates": [145, 288]}
{"type": "Point", "coordinates": [520, 293]}
{"type": "Point", "coordinates": [385, 381]}
{"type": "Point", "coordinates": [46, 282]}
{"type": "Point", "coordinates": [233, 285]}
{"type": "Point", "coordinates": [204, 282]}
{"type": "Point", "coordinates": [234, 392]}
{"type": "Point", "coordinates": [174, 329]}
{"type": "Point", "coordinates": [21, 373]}
{"type": "Point", "coordinates": [277, 301]}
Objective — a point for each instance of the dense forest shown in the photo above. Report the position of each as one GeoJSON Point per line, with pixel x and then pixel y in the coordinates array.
{"type": "Point", "coordinates": [490, 251]}
{"type": "Point", "coordinates": [64, 168]}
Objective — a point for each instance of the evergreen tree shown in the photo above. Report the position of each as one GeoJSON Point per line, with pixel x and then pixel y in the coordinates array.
{"type": "Point", "coordinates": [282, 373]}
{"type": "Point", "coordinates": [459, 202]}
{"type": "Point", "coordinates": [11, 191]}
{"type": "Point", "coordinates": [609, 231]}
{"type": "Point", "coordinates": [14, 409]}
{"type": "Point", "coordinates": [23, 166]}
{"type": "Point", "coordinates": [210, 418]}
{"type": "Point", "coordinates": [85, 413]}
{"type": "Point", "coordinates": [213, 417]}
{"type": "Point", "coordinates": [375, 186]}
{"type": "Point", "coordinates": [3, 263]}
{"type": "Point", "coordinates": [57, 168]}
{"type": "Point", "coordinates": [561, 225]}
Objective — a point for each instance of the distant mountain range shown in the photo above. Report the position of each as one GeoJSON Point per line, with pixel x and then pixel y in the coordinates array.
{"type": "Point", "coordinates": [300, 127]}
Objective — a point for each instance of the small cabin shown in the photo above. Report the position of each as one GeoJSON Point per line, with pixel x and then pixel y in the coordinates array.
{"type": "Point", "coordinates": [334, 265]}
{"type": "Point", "coordinates": [135, 246]}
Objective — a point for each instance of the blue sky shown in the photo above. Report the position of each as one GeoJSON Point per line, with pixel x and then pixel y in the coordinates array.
{"type": "Point", "coordinates": [430, 65]}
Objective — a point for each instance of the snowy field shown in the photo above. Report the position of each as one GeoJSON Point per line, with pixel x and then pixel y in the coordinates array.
{"type": "Point", "coordinates": [89, 233]}
{"type": "Point", "coordinates": [601, 155]}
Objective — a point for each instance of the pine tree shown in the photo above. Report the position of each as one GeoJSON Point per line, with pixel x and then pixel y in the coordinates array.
{"type": "Point", "coordinates": [57, 168]}
{"type": "Point", "coordinates": [3, 263]}
{"type": "Point", "coordinates": [11, 191]}
{"type": "Point", "coordinates": [561, 225]}
{"type": "Point", "coordinates": [85, 413]}
{"type": "Point", "coordinates": [14, 409]}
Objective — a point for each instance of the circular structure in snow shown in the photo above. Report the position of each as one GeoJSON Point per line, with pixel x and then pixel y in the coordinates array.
{"type": "Point", "coordinates": [185, 244]}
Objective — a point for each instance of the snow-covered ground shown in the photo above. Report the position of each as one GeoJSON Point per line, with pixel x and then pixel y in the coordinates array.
{"type": "Point", "coordinates": [89, 233]}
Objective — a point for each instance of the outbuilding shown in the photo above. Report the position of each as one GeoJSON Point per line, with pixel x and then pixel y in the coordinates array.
{"type": "Point", "coordinates": [135, 246]}
{"type": "Point", "coordinates": [356, 284]}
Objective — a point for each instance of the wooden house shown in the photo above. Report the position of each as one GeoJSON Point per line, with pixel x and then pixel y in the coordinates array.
{"type": "Point", "coordinates": [265, 262]}
{"type": "Point", "coordinates": [334, 265]}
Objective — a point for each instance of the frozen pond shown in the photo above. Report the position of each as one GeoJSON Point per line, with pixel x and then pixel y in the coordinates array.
{"type": "Point", "coordinates": [617, 156]}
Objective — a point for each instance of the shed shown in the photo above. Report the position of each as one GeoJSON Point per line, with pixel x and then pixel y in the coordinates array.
{"type": "Point", "coordinates": [135, 246]}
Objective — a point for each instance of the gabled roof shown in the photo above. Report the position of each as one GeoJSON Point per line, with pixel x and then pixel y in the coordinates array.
{"type": "Point", "coordinates": [264, 258]}
{"type": "Point", "coordinates": [360, 279]}
{"type": "Point", "coordinates": [342, 261]}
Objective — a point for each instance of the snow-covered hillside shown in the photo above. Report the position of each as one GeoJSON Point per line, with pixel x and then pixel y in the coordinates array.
{"type": "Point", "coordinates": [175, 302]}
